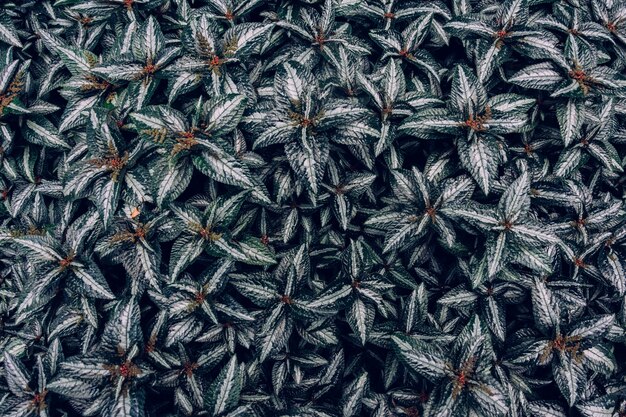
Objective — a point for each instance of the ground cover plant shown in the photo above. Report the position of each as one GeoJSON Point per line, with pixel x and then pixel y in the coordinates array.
{"type": "Point", "coordinates": [314, 208]}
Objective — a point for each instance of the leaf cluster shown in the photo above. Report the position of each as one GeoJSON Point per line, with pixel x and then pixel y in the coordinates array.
{"type": "Point", "coordinates": [315, 208]}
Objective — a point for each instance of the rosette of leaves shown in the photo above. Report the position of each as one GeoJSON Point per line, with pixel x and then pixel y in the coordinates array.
{"type": "Point", "coordinates": [344, 191]}
{"type": "Point", "coordinates": [462, 373]}
{"type": "Point", "coordinates": [215, 57]}
{"type": "Point", "coordinates": [477, 123]}
{"type": "Point", "coordinates": [106, 167]}
{"type": "Point", "coordinates": [591, 141]}
{"type": "Point", "coordinates": [416, 210]}
{"type": "Point", "coordinates": [387, 14]}
{"type": "Point", "coordinates": [199, 143]}
{"type": "Point", "coordinates": [572, 348]}
{"type": "Point", "coordinates": [366, 292]}
{"type": "Point", "coordinates": [186, 375]}
{"type": "Point", "coordinates": [497, 33]}
{"type": "Point", "coordinates": [573, 76]}
{"type": "Point", "coordinates": [312, 208]}
{"type": "Point", "coordinates": [302, 115]}
{"type": "Point", "coordinates": [138, 60]}
{"type": "Point", "coordinates": [28, 391]}
{"type": "Point", "coordinates": [278, 299]}
{"type": "Point", "coordinates": [394, 99]}
{"type": "Point", "coordinates": [59, 260]}
{"type": "Point", "coordinates": [110, 379]}
{"type": "Point", "coordinates": [321, 31]}
{"type": "Point", "coordinates": [134, 240]}
{"type": "Point", "coordinates": [192, 304]}
{"type": "Point", "coordinates": [209, 231]}
{"type": "Point", "coordinates": [514, 236]}
{"type": "Point", "coordinates": [488, 300]}
{"type": "Point", "coordinates": [406, 45]}
{"type": "Point", "coordinates": [24, 196]}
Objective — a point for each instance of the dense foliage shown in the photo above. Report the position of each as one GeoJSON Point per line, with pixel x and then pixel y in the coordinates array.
{"type": "Point", "coordinates": [313, 208]}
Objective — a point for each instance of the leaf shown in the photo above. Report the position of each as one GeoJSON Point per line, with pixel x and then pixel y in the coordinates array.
{"type": "Point", "coordinates": [224, 113]}
{"type": "Point", "coordinates": [480, 216]}
{"type": "Point", "coordinates": [89, 368]}
{"type": "Point", "coordinates": [330, 302]}
{"type": "Point", "coordinates": [424, 124]}
{"type": "Point", "coordinates": [94, 282]}
{"type": "Point", "coordinates": [75, 60]}
{"type": "Point", "coordinates": [398, 235]}
{"type": "Point", "coordinates": [534, 235]}
{"type": "Point", "coordinates": [388, 40]}
{"type": "Point", "coordinates": [495, 317]}
{"type": "Point", "coordinates": [570, 117]}
{"type": "Point", "coordinates": [64, 324]}
{"type": "Point", "coordinates": [342, 209]}
{"type": "Point", "coordinates": [158, 119]}
{"type": "Point", "coordinates": [490, 54]}
{"type": "Point", "coordinates": [600, 359]}
{"type": "Point", "coordinates": [394, 83]}
{"type": "Point", "coordinates": [130, 404]}
{"type": "Point", "coordinates": [353, 396]}
{"type": "Point", "coordinates": [243, 39]}
{"type": "Point", "coordinates": [467, 27]}
{"type": "Point", "coordinates": [222, 167]}
{"type": "Point", "coordinates": [510, 103]}
{"type": "Point", "coordinates": [183, 331]}
{"type": "Point", "coordinates": [515, 202]}
{"type": "Point", "coordinates": [8, 32]}
{"type": "Point", "coordinates": [425, 61]}
{"type": "Point", "coordinates": [123, 331]}
{"type": "Point", "coordinates": [261, 295]}
{"type": "Point", "coordinates": [339, 113]}
{"type": "Point", "coordinates": [151, 38]}
{"type": "Point", "coordinates": [108, 193]}
{"type": "Point", "coordinates": [37, 291]}
{"type": "Point", "coordinates": [546, 310]}
{"type": "Point", "coordinates": [423, 361]}
{"type": "Point", "coordinates": [360, 318]}
{"type": "Point", "coordinates": [490, 400]}
{"type": "Point", "coordinates": [613, 271]}
{"type": "Point", "coordinates": [148, 264]}
{"type": "Point", "coordinates": [40, 248]}
{"type": "Point", "coordinates": [308, 162]}
{"type": "Point", "coordinates": [72, 387]}
{"type": "Point", "coordinates": [291, 80]}
{"type": "Point", "coordinates": [16, 375]}
{"type": "Point", "coordinates": [546, 409]}
{"type": "Point", "coordinates": [496, 253]}
{"type": "Point", "coordinates": [542, 76]}
{"type": "Point", "coordinates": [225, 390]}
{"type": "Point", "coordinates": [596, 408]}
{"type": "Point", "coordinates": [41, 132]}
{"type": "Point", "coordinates": [593, 328]}
{"type": "Point", "coordinates": [183, 83]}
{"type": "Point", "coordinates": [172, 180]}
{"type": "Point", "coordinates": [119, 72]}
{"type": "Point", "coordinates": [569, 376]}
{"type": "Point", "coordinates": [280, 132]}
{"type": "Point", "coordinates": [481, 158]}
{"type": "Point", "coordinates": [467, 95]}
{"type": "Point", "coordinates": [569, 160]}
{"type": "Point", "coordinates": [513, 11]}
{"type": "Point", "coordinates": [184, 251]}
{"type": "Point", "coordinates": [533, 257]}
{"type": "Point", "coordinates": [255, 252]}
{"type": "Point", "coordinates": [607, 155]}
{"type": "Point", "coordinates": [275, 332]}
{"type": "Point", "coordinates": [75, 111]}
